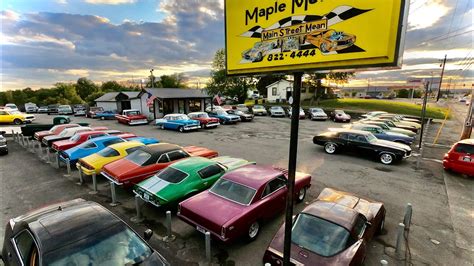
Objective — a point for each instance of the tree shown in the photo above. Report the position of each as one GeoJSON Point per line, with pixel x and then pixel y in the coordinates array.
{"type": "Point", "coordinates": [172, 81]}
{"type": "Point", "coordinates": [403, 93]}
{"type": "Point", "coordinates": [85, 87]}
{"type": "Point", "coordinates": [109, 86]}
{"type": "Point", "coordinates": [67, 93]}
{"type": "Point", "coordinates": [315, 81]}
{"type": "Point", "coordinates": [266, 80]}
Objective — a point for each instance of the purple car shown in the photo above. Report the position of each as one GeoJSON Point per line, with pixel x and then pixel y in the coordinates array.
{"type": "Point", "coordinates": [340, 116]}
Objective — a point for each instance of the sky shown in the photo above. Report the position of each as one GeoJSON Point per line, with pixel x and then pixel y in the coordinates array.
{"type": "Point", "coordinates": [47, 41]}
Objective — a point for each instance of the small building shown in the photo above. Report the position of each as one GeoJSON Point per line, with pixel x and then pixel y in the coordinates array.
{"type": "Point", "coordinates": [280, 91]}
{"type": "Point", "coordinates": [173, 100]}
{"type": "Point", "coordinates": [118, 101]}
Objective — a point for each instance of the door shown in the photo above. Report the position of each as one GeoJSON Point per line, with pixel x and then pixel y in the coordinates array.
{"type": "Point", "coordinates": [359, 143]}
{"type": "Point", "coordinates": [125, 105]}
{"type": "Point", "coordinates": [273, 197]}
{"type": "Point", "coordinates": [23, 250]}
{"type": "Point", "coordinates": [4, 117]}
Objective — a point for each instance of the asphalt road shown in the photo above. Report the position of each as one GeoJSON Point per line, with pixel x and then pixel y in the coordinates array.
{"type": "Point", "coordinates": [27, 183]}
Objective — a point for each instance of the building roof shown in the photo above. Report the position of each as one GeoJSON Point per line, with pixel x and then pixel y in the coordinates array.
{"type": "Point", "coordinates": [112, 96]}
{"type": "Point", "coordinates": [276, 82]}
{"type": "Point", "coordinates": [175, 93]}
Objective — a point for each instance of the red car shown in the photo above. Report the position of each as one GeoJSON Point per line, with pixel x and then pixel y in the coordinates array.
{"type": "Point", "coordinates": [131, 117]}
{"type": "Point", "coordinates": [204, 119]}
{"type": "Point", "coordinates": [53, 131]}
{"type": "Point", "coordinates": [340, 116]}
{"type": "Point", "coordinates": [333, 230]}
{"type": "Point", "coordinates": [147, 161]}
{"type": "Point", "coordinates": [460, 158]}
{"type": "Point", "coordinates": [238, 203]}
{"type": "Point", "coordinates": [82, 137]}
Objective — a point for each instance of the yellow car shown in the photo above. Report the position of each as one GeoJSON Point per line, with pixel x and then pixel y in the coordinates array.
{"type": "Point", "coordinates": [15, 117]}
{"type": "Point", "coordinates": [93, 163]}
{"type": "Point", "coordinates": [331, 40]}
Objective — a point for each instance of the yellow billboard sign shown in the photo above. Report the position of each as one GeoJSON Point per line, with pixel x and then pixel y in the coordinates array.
{"type": "Point", "coordinates": [307, 35]}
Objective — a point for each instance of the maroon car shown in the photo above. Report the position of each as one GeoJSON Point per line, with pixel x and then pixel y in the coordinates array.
{"type": "Point", "coordinates": [55, 130]}
{"type": "Point", "coordinates": [204, 119]}
{"type": "Point", "coordinates": [238, 203]}
{"type": "Point", "coordinates": [340, 116]}
{"type": "Point", "coordinates": [333, 230]}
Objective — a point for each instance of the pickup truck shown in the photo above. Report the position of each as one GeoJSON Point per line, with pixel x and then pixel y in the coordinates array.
{"type": "Point", "coordinates": [31, 129]}
{"type": "Point", "coordinates": [131, 117]}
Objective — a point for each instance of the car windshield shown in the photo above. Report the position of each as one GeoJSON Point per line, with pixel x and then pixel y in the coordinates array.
{"type": "Point", "coordinates": [201, 115]}
{"type": "Point", "coordinates": [370, 137]}
{"type": "Point", "coordinates": [172, 175]}
{"type": "Point", "coordinates": [237, 112]}
{"type": "Point", "coordinates": [277, 108]}
{"type": "Point", "coordinates": [182, 117]}
{"type": "Point", "coordinates": [108, 152]}
{"type": "Point", "coordinates": [75, 138]}
{"type": "Point", "coordinates": [233, 191]}
{"type": "Point", "coordinates": [316, 110]}
{"type": "Point", "coordinates": [132, 113]}
{"type": "Point", "coordinates": [258, 107]}
{"type": "Point", "coordinates": [390, 123]}
{"type": "Point", "coordinates": [117, 245]}
{"type": "Point", "coordinates": [339, 112]}
{"type": "Point", "coordinates": [139, 157]}
{"type": "Point", "coordinates": [319, 236]}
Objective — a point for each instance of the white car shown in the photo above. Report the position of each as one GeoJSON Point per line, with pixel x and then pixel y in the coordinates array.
{"type": "Point", "coordinates": [277, 111]}
{"type": "Point", "coordinates": [242, 107]}
{"type": "Point", "coordinates": [214, 107]}
{"type": "Point", "coordinates": [302, 114]}
{"type": "Point", "coordinates": [373, 113]}
{"type": "Point", "coordinates": [259, 110]}
{"type": "Point", "coordinates": [11, 106]}
{"type": "Point", "coordinates": [317, 114]}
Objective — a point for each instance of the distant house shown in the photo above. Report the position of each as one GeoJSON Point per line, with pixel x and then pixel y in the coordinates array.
{"type": "Point", "coordinates": [173, 100]}
{"type": "Point", "coordinates": [281, 91]}
{"type": "Point", "coordinates": [118, 101]}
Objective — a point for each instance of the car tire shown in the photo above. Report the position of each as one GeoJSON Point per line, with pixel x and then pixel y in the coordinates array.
{"type": "Point", "coordinates": [162, 127]}
{"type": "Point", "coordinates": [102, 118]}
{"type": "Point", "coordinates": [301, 195]}
{"type": "Point", "coordinates": [381, 226]}
{"type": "Point", "coordinates": [253, 231]}
{"type": "Point", "coordinates": [386, 158]}
{"type": "Point", "coordinates": [17, 121]}
{"type": "Point", "coordinates": [330, 148]}
{"type": "Point", "coordinates": [181, 129]}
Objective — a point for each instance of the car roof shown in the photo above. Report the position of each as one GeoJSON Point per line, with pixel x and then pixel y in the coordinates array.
{"type": "Point", "coordinates": [253, 176]}
{"type": "Point", "coordinates": [90, 132]}
{"type": "Point", "coordinates": [174, 114]}
{"type": "Point", "coordinates": [361, 125]}
{"type": "Point", "coordinates": [126, 144]}
{"type": "Point", "coordinates": [61, 224]}
{"type": "Point", "coordinates": [161, 148]}
{"type": "Point", "coordinates": [196, 113]}
{"type": "Point", "coordinates": [103, 138]}
{"type": "Point", "coordinates": [192, 163]}
{"type": "Point", "coordinates": [346, 130]}
{"type": "Point", "coordinates": [129, 110]}
{"type": "Point", "coordinates": [466, 141]}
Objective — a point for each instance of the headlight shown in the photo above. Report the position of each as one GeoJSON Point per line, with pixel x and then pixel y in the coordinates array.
{"type": "Point", "coordinates": [3, 141]}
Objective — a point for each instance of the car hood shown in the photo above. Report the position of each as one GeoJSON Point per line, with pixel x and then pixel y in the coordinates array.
{"type": "Point", "coordinates": [391, 144]}
{"type": "Point", "coordinates": [319, 113]}
{"type": "Point", "coordinates": [76, 153]}
{"type": "Point", "coordinates": [400, 135]}
{"type": "Point", "coordinates": [62, 143]}
{"type": "Point", "coordinates": [98, 161]}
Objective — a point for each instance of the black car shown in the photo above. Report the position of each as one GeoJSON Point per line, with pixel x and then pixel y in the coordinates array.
{"type": "Point", "coordinates": [53, 109]}
{"type": "Point", "coordinates": [362, 142]}
{"type": "Point", "coordinates": [3, 143]}
{"type": "Point", "coordinates": [76, 232]}
{"type": "Point", "coordinates": [244, 116]}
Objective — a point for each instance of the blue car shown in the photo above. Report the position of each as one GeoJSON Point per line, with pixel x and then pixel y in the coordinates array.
{"type": "Point", "coordinates": [224, 117]}
{"type": "Point", "coordinates": [105, 115]}
{"type": "Point", "coordinates": [180, 122]}
{"type": "Point", "coordinates": [382, 134]}
{"type": "Point", "coordinates": [144, 140]}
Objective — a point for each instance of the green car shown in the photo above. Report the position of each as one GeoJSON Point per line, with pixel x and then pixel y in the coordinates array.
{"type": "Point", "coordinates": [185, 178]}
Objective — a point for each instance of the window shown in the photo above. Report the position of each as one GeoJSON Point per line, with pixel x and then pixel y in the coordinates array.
{"type": "Point", "coordinates": [209, 171]}
{"type": "Point", "coordinates": [344, 136]}
{"type": "Point", "coordinates": [176, 155]}
{"type": "Point", "coordinates": [96, 136]}
{"type": "Point", "coordinates": [274, 185]}
{"type": "Point", "coordinates": [27, 248]}
{"type": "Point", "coordinates": [108, 152]}
{"type": "Point", "coordinates": [181, 106]}
{"type": "Point", "coordinates": [194, 105]}
{"type": "Point", "coordinates": [89, 145]}
{"type": "Point", "coordinates": [233, 191]}
{"type": "Point", "coordinates": [163, 159]}
{"type": "Point", "coordinates": [130, 150]}
{"type": "Point", "coordinates": [172, 175]}
{"type": "Point", "coordinates": [303, 89]}
{"type": "Point", "coordinates": [113, 141]}
{"type": "Point", "coordinates": [359, 226]}
{"type": "Point", "coordinates": [274, 91]}
{"type": "Point", "coordinates": [360, 138]}
{"type": "Point", "coordinates": [464, 148]}
{"type": "Point", "coordinates": [139, 157]}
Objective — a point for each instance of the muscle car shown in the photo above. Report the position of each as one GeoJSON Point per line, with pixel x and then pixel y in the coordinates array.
{"type": "Point", "coordinates": [340, 116]}
{"type": "Point", "coordinates": [3, 144]}
{"type": "Point", "coordinates": [258, 51]}
{"type": "Point", "coordinates": [93, 110]}
{"type": "Point", "coordinates": [244, 116]}
{"type": "Point", "coordinates": [180, 122]}
{"type": "Point", "coordinates": [224, 117]}
{"type": "Point", "coordinates": [145, 162]}
{"type": "Point", "coordinates": [75, 232]}
{"type": "Point", "coordinates": [301, 115]}
{"type": "Point", "coordinates": [373, 114]}
{"type": "Point", "coordinates": [77, 139]}
{"type": "Point", "coordinates": [333, 230]}
{"type": "Point", "coordinates": [259, 110]}
{"type": "Point", "coordinates": [242, 107]}
{"type": "Point", "coordinates": [240, 201]}
{"type": "Point", "coordinates": [317, 114]}
{"type": "Point", "coordinates": [55, 130]}
{"type": "Point", "coordinates": [65, 134]}
{"type": "Point", "coordinates": [382, 134]}
{"type": "Point", "coordinates": [65, 110]}
{"type": "Point", "coordinates": [388, 128]}
{"type": "Point", "coordinates": [132, 117]}
{"type": "Point", "coordinates": [205, 121]}
{"type": "Point", "coordinates": [91, 146]}
{"type": "Point", "coordinates": [93, 163]}
{"type": "Point", "coordinates": [330, 40]}
{"type": "Point", "coordinates": [362, 142]}
{"type": "Point", "coordinates": [105, 115]}
{"type": "Point", "coordinates": [396, 120]}
{"type": "Point", "coordinates": [8, 116]}
{"type": "Point", "coordinates": [460, 158]}
{"type": "Point", "coordinates": [391, 123]}
{"type": "Point", "coordinates": [277, 111]}
{"type": "Point", "coordinates": [185, 178]}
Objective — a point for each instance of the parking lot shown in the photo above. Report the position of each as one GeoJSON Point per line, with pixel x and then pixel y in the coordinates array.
{"type": "Point", "coordinates": [28, 183]}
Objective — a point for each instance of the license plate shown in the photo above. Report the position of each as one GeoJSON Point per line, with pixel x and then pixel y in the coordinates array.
{"type": "Point", "coordinates": [146, 197]}
{"type": "Point", "coordinates": [200, 229]}
{"type": "Point", "coordinates": [466, 159]}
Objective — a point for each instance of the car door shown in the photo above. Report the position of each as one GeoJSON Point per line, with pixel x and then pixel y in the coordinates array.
{"type": "Point", "coordinates": [209, 175]}
{"type": "Point", "coordinates": [23, 249]}
{"type": "Point", "coordinates": [273, 197]}
{"type": "Point", "coordinates": [4, 117]}
{"type": "Point", "coordinates": [359, 143]}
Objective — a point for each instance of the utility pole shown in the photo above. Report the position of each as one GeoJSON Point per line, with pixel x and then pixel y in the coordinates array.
{"type": "Point", "coordinates": [152, 78]}
{"type": "Point", "coordinates": [467, 127]}
{"type": "Point", "coordinates": [423, 113]}
{"type": "Point", "coordinates": [441, 78]}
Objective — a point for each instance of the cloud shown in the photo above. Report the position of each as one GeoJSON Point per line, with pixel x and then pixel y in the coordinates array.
{"type": "Point", "coordinates": [110, 2]}
{"type": "Point", "coordinates": [417, 18]}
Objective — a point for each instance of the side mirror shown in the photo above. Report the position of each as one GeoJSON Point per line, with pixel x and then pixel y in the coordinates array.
{"type": "Point", "coordinates": [147, 234]}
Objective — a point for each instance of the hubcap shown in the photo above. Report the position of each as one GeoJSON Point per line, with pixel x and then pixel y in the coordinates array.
{"type": "Point", "coordinates": [330, 148]}
{"type": "Point", "coordinates": [386, 158]}
{"type": "Point", "coordinates": [301, 194]}
{"type": "Point", "coordinates": [253, 230]}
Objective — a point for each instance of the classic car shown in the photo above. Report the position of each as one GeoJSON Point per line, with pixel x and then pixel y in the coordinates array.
{"type": "Point", "coordinates": [259, 50]}
{"type": "Point", "coordinates": [91, 146]}
{"type": "Point", "coordinates": [330, 40]}
{"type": "Point", "coordinates": [317, 114]}
{"type": "Point", "coordinates": [277, 111]}
{"type": "Point", "coordinates": [104, 115]}
{"type": "Point", "coordinates": [184, 179]}
{"type": "Point", "coordinates": [335, 229]}
{"type": "Point", "coordinates": [3, 144]}
{"type": "Point", "coordinates": [77, 139]}
{"type": "Point", "coordinates": [93, 110]}
{"type": "Point", "coordinates": [396, 120]}
{"type": "Point", "coordinates": [93, 163]}
{"type": "Point", "coordinates": [65, 134]}
{"type": "Point", "coordinates": [244, 116]}
{"type": "Point", "coordinates": [460, 158]}
{"type": "Point", "coordinates": [388, 128]}
{"type": "Point", "coordinates": [8, 116]}
{"type": "Point", "coordinates": [180, 122]}
{"type": "Point", "coordinates": [75, 232]}
{"type": "Point", "coordinates": [224, 117]}
{"type": "Point", "coordinates": [143, 163]}
{"type": "Point", "coordinates": [340, 116]}
{"type": "Point", "coordinates": [399, 116]}
{"type": "Point", "coordinates": [42, 110]}
{"type": "Point", "coordinates": [362, 142]}
{"type": "Point", "coordinates": [213, 107]}
{"type": "Point", "coordinates": [242, 107]}
{"type": "Point", "coordinates": [11, 106]}
{"type": "Point", "coordinates": [79, 110]}
{"type": "Point", "coordinates": [53, 109]}
{"type": "Point", "coordinates": [259, 110]}
{"type": "Point", "coordinates": [302, 114]}
{"type": "Point", "coordinates": [29, 130]}
{"type": "Point", "coordinates": [382, 134]}
{"type": "Point", "coordinates": [240, 201]}
{"type": "Point", "coordinates": [205, 121]}
{"type": "Point", "coordinates": [391, 123]}
{"type": "Point", "coordinates": [55, 130]}
{"type": "Point", "coordinates": [31, 108]}
{"type": "Point", "coordinates": [373, 114]}
{"type": "Point", "coordinates": [132, 117]}
{"type": "Point", "coordinates": [65, 110]}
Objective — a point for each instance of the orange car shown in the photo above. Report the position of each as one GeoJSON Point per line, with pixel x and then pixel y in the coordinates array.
{"type": "Point", "coordinates": [330, 40]}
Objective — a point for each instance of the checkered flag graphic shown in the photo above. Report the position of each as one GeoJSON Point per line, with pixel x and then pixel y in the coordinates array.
{"type": "Point", "coordinates": [337, 15]}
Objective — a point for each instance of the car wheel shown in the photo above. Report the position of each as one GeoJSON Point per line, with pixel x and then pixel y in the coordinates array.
{"type": "Point", "coordinates": [330, 148]}
{"type": "Point", "coordinates": [181, 129]}
{"type": "Point", "coordinates": [162, 127]}
{"type": "Point", "coordinates": [301, 195]}
{"type": "Point", "coordinates": [223, 122]}
{"type": "Point", "coordinates": [17, 121]}
{"type": "Point", "coordinates": [386, 158]}
{"type": "Point", "coordinates": [381, 226]}
{"type": "Point", "coordinates": [253, 231]}
{"type": "Point", "coordinates": [102, 118]}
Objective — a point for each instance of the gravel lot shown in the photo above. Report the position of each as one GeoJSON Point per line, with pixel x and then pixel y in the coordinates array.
{"type": "Point", "coordinates": [27, 183]}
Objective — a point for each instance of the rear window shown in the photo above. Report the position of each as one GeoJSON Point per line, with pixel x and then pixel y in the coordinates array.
{"type": "Point", "coordinates": [108, 152]}
{"type": "Point", "coordinates": [113, 141]}
{"type": "Point", "coordinates": [139, 157]}
{"type": "Point", "coordinates": [172, 175]}
{"type": "Point", "coordinates": [130, 150]}
{"type": "Point", "coordinates": [464, 148]}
